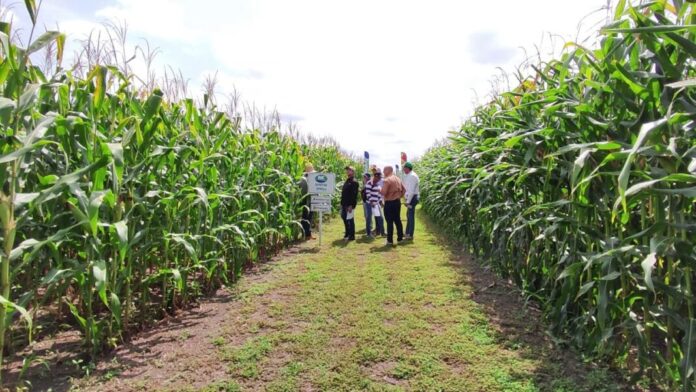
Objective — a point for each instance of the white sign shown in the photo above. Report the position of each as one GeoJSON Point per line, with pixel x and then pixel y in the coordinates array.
{"type": "Point", "coordinates": [321, 183]}
{"type": "Point", "coordinates": [321, 199]}
{"type": "Point", "coordinates": [321, 207]}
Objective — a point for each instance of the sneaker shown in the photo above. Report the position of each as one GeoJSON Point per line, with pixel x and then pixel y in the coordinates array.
{"type": "Point", "coordinates": [408, 237]}
{"type": "Point", "coordinates": [346, 238]}
{"type": "Point", "coordinates": [351, 238]}
{"type": "Point", "coordinates": [399, 241]}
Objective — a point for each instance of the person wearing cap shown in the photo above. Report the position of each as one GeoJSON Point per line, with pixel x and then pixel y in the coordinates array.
{"type": "Point", "coordinates": [307, 214]}
{"type": "Point", "coordinates": [392, 191]}
{"type": "Point", "coordinates": [349, 200]}
{"type": "Point", "coordinates": [412, 186]}
{"type": "Point", "coordinates": [376, 201]}
{"type": "Point", "coordinates": [367, 208]}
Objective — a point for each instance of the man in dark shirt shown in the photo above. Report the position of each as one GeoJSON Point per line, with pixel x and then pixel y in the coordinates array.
{"type": "Point", "coordinates": [349, 200]}
{"type": "Point", "coordinates": [307, 214]}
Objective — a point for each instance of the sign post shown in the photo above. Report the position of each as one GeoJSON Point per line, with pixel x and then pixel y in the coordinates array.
{"type": "Point", "coordinates": [367, 162]}
{"type": "Point", "coordinates": [321, 187]}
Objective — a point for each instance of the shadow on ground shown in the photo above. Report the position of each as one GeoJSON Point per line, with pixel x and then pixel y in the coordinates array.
{"type": "Point", "coordinates": [519, 324]}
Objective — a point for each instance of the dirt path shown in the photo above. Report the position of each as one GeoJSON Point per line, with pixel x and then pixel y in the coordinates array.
{"type": "Point", "coordinates": [355, 316]}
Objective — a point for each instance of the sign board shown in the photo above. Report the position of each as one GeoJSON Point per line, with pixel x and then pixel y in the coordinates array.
{"type": "Point", "coordinates": [321, 199]}
{"type": "Point", "coordinates": [321, 207]}
{"type": "Point", "coordinates": [367, 162]}
{"type": "Point", "coordinates": [321, 203]}
{"type": "Point", "coordinates": [321, 183]}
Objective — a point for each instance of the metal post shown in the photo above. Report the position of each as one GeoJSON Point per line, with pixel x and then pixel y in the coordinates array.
{"type": "Point", "coordinates": [321, 230]}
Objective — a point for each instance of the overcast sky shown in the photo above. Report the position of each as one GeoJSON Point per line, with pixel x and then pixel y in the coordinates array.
{"type": "Point", "coordinates": [379, 75]}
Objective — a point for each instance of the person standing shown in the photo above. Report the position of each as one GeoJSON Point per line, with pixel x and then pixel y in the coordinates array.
{"type": "Point", "coordinates": [377, 202]}
{"type": "Point", "coordinates": [349, 200]}
{"type": "Point", "coordinates": [392, 191]}
{"type": "Point", "coordinates": [365, 193]}
{"type": "Point", "coordinates": [412, 185]}
{"type": "Point", "coordinates": [307, 214]}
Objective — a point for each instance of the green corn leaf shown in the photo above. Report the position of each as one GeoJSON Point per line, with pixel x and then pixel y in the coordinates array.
{"type": "Point", "coordinates": [76, 313]}
{"type": "Point", "coordinates": [56, 276]}
{"type": "Point", "coordinates": [31, 9]}
{"type": "Point", "coordinates": [683, 83]}
{"type": "Point", "coordinates": [28, 97]}
{"type": "Point", "coordinates": [152, 106]}
{"type": "Point", "coordinates": [7, 106]}
{"type": "Point", "coordinates": [648, 265]}
{"type": "Point", "coordinates": [99, 274]}
{"type": "Point", "coordinates": [625, 174]}
{"type": "Point", "coordinates": [651, 29]}
{"type": "Point", "coordinates": [11, 306]}
{"type": "Point", "coordinates": [122, 234]}
{"type": "Point", "coordinates": [99, 75]}
{"type": "Point", "coordinates": [19, 153]}
{"type": "Point", "coordinates": [115, 307]}
{"type": "Point", "coordinates": [44, 40]}
{"type": "Point", "coordinates": [584, 289]}
{"type": "Point", "coordinates": [19, 250]}
{"type": "Point", "coordinates": [688, 361]}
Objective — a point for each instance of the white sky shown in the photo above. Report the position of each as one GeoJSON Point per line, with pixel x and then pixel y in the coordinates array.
{"type": "Point", "coordinates": [383, 76]}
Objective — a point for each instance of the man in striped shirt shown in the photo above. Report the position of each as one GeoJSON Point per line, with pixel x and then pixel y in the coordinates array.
{"type": "Point", "coordinates": [375, 200]}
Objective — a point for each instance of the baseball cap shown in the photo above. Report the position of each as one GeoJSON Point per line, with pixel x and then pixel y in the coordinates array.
{"type": "Point", "coordinates": [408, 165]}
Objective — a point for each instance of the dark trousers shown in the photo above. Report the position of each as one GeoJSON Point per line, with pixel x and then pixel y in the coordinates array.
{"type": "Point", "coordinates": [379, 224]}
{"type": "Point", "coordinates": [307, 217]}
{"type": "Point", "coordinates": [392, 211]}
{"type": "Point", "coordinates": [348, 223]}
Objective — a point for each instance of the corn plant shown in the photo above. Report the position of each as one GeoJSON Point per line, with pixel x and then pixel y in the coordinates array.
{"type": "Point", "coordinates": [580, 186]}
{"type": "Point", "coordinates": [118, 205]}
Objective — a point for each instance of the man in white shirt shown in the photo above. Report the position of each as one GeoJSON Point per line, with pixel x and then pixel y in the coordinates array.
{"type": "Point", "coordinates": [412, 185]}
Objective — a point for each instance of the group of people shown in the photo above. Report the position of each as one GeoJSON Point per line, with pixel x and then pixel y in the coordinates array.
{"type": "Point", "coordinates": [381, 197]}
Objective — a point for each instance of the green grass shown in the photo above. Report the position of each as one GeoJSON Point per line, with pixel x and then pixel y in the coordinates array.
{"type": "Point", "coordinates": [364, 317]}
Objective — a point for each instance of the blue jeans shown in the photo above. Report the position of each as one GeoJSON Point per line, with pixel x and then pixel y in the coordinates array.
{"type": "Point", "coordinates": [368, 217]}
{"type": "Point", "coordinates": [411, 217]}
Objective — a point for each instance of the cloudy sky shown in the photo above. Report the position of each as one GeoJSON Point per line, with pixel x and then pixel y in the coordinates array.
{"type": "Point", "coordinates": [380, 75]}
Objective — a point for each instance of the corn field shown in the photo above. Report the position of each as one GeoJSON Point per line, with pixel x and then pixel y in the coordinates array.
{"type": "Point", "coordinates": [118, 206]}
{"type": "Point", "coordinates": [580, 186]}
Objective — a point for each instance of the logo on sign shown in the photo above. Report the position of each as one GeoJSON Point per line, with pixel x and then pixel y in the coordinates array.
{"type": "Point", "coordinates": [322, 178]}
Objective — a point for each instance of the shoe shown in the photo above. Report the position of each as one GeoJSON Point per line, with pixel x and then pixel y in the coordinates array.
{"type": "Point", "coordinates": [389, 243]}
{"type": "Point", "coordinates": [399, 241]}
{"type": "Point", "coordinates": [346, 238]}
{"type": "Point", "coordinates": [351, 239]}
{"type": "Point", "coordinates": [408, 237]}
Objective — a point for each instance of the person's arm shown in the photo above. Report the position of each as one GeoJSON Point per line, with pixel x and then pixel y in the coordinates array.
{"type": "Point", "coordinates": [356, 193]}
